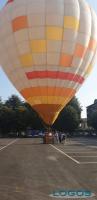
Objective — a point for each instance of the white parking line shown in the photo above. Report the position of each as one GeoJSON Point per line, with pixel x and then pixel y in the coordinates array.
{"type": "Point", "coordinates": [88, 163]}
{"type": "Point", "coordinates": [84, 156]}
{"type": "Point", "coordinates": [62, 152]}
{"type": "Point", "coordinates": [75, 149]}
{"type": "Point", "coordinates": [71, 152]}
{"type": "Point", "coordinates": [9, 144]}
{"type": "Point", "coordinates": [93, 147]}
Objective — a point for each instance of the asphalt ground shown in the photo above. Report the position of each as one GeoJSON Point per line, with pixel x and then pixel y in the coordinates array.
{"type": "Point", "coordinates": [30, 170]}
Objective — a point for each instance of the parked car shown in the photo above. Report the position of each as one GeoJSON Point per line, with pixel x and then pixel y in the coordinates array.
{"type": "Point", "coordinates": [41, 134]}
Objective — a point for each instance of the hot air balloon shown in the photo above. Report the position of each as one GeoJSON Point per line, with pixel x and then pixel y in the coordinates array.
{"type": "Point", "coordinates": [47, 49]}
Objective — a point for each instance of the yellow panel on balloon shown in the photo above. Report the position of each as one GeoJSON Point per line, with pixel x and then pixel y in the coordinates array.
{"type": "Point", "coordinates": [89, 69]}
{"type": "Point", "coordinates": [26, 60]}
{"type": "Point", "coordinates": [43, 100]}
{"type": "Point", "coordinates": [71, 22]}
{"type": "Point", "coordinates": [54, 33]}
{"type": "Point", "coordinates": [38, 46]}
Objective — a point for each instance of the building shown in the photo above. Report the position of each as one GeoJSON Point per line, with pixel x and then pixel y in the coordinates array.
{"type": "Point", "coordinates": [91, 109]}
{"type": "Point", "coordinates": [83, 124]}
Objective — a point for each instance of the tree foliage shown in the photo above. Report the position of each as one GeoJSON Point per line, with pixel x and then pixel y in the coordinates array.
{"type": "Point", "coordinates": [13, 102]}
{"type": "Point", "coordinates": [17, 116]}
{"type": "Point", "coordinates": [76, 105]}
{"type": "Point", "coordinates": [68, 119]}
{"type": "Point", "coordinates": [70, 116]}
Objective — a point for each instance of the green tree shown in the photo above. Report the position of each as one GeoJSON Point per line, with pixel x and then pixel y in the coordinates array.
{"type": "Point", "coordinates": [68, 119]}
{"type": "Point", "coordinates": [34, 121]}
{"type": "Point", "coordinates": [13, 102]}
{"type": "Point", "coordinates": [1, 103]}
{"type": "Point", "coordinates": [17, 116]}
{"type": "Point", "coordinates": [75, 104]}
{"type": "Point", "coordinates": [5, 120]}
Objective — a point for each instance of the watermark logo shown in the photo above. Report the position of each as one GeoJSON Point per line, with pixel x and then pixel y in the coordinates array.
{"type": "Point", "coordinates": [76, 194]}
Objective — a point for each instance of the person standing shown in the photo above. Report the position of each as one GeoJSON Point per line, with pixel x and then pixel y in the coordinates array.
{"type": "Point", "coordinates": [60, 137]}
{"type": "Point", "coordinates": [57, 137]}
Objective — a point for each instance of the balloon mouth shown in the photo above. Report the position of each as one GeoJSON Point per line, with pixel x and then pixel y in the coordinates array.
{"type": "Point", "coordinates": [48, 113]}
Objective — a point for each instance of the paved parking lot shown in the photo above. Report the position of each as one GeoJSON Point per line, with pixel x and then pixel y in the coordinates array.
{"type": "Point", "coordinates": [30, 170]}
{"type": "Point", "coordinates": [81, 151]}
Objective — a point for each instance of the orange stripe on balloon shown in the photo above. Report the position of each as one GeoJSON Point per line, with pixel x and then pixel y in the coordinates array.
{"type": "Point", "coordinates": [55, 75]}
{"type": "Point", "coordinates": [52, 109]}
{"type": "Point", "coordinates": [92, 45]}
{"type": "Point", "coordinates": [66, 60]}
{"type": "Point", "coordinates": [19, 23]}
{"type": "Point", "coordinates": [47, 91]}
{"type": "Point", "coordinates": [80, 50]}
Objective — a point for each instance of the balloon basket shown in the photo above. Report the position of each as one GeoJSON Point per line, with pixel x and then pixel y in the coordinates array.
{"type": "Point", "coordinates": [48, 138]}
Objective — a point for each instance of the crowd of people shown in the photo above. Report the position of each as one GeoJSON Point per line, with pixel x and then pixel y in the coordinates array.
{"type": "Point", "coordinates": [60, 137]}
{"type": "Point", "coordinates": [56, 137]}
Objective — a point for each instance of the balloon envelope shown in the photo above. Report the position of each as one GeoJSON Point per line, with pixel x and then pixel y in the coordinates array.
{"type": "Point", "coordinates": [47, 49]}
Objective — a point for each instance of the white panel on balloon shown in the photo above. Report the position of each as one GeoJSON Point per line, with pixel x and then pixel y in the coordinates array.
{"type": "Point", "coordinates": [36, 20]}
{"type": "Point", "coordinates": [37, 33]}
{"type": "Point", "coordinates": [54, 20]}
